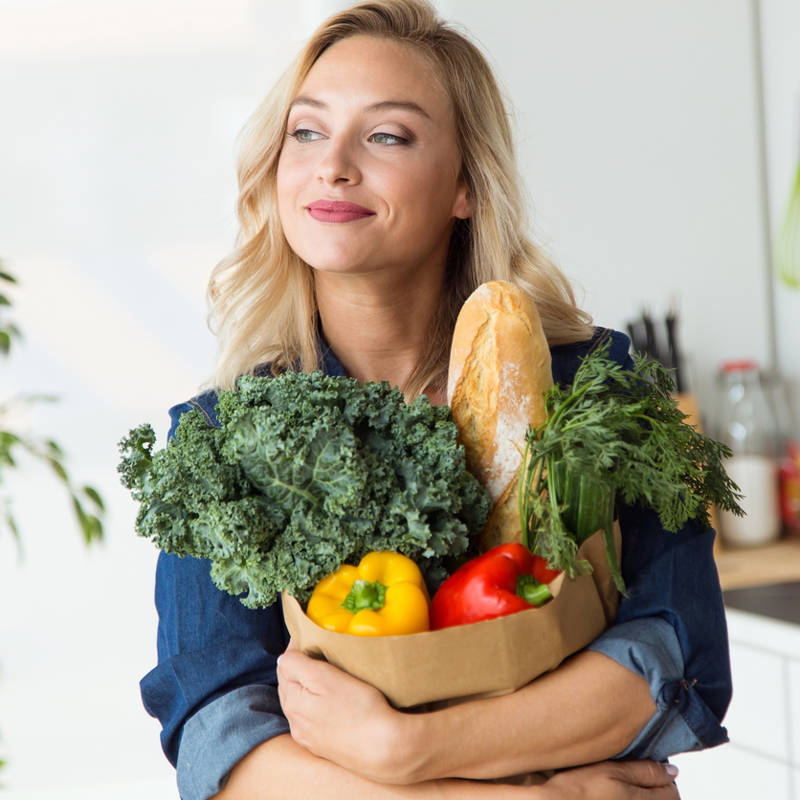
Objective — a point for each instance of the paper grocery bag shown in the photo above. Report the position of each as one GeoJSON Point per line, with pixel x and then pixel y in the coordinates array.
{"type": "Point", "coordinates": [484, 658]}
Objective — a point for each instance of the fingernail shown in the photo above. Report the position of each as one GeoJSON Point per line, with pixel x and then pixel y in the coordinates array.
{"type": "Point", "coordinates": [277, 661]}
{"type": "Point", "coordinates": [671, 770]}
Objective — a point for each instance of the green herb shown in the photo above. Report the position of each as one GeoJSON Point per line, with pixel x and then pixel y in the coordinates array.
{"type": "Point", "coordinates": [615, 435]}
{"type": "Point", "coordinates": [306, 472]}
{"type": "Point", "coordinates": [87, 503]}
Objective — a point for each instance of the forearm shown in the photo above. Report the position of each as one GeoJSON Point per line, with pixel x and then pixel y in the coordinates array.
{"type": "Point", "coordinates": [587, 710]}
{"type": "Point", "coordinates": [280, 768]}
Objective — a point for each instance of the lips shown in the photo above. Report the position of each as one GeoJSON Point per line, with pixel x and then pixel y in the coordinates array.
{"type": "Point", "coordinates": [337, 211]}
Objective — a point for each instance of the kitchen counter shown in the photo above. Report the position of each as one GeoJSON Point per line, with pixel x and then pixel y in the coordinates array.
{"type": "Point", "coordinates": [778, 601]}
{"type": "Point", "coordinates": [741, 567]}
{"type": "Point", "coordinates": [761, 590]}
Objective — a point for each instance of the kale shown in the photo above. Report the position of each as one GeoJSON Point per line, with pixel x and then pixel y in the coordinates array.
{"type": "Point", "coordinates": [304, 473]}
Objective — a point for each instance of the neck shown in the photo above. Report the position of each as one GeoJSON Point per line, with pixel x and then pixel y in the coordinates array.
{"type": "Point", "coordinates": [378, 333]}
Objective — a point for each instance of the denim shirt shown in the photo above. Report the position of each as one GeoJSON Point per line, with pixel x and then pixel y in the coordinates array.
{"type": "Point", "coordinates": [214, 688]}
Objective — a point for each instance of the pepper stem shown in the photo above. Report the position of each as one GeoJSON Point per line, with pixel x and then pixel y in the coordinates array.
{"type": "Point", "coordinates": [531, 591]}
{"type": "Point", "coordinates": [365, 594]}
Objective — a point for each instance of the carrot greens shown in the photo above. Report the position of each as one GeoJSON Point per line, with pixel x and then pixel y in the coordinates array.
{"type": "Point", "coordinates": [616, 435]}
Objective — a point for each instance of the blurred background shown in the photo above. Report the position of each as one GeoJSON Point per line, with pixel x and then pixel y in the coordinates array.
{"type": "Point", "coordinates": [659, 141]}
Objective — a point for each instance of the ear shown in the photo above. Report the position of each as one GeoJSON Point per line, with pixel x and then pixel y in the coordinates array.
{"type": "Point", "coordinates": [462, 203]}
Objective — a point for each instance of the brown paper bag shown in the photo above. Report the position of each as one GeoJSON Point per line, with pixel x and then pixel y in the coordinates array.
{"type": "Point", "coordinates": [467, 661]}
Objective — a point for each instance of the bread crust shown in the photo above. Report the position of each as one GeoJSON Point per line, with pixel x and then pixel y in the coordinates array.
{"type": "Point", "coordinates": [498, 375]}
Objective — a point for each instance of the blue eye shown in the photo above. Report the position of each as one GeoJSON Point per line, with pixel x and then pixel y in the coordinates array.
{"type": "Point", "coordinates": [387, 138]}
{"type": "Point", "coordinates": [304, 135]}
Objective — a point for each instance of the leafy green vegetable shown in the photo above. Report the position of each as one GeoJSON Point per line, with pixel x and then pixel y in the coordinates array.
{"type": "Point", "coordinates": [306, 472]}
{"type": "Point", "coordinates": [615, 434]}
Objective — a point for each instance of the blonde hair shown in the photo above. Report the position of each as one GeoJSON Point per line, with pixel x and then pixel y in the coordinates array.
{"type": "Point", "coordinates": [262, 300]}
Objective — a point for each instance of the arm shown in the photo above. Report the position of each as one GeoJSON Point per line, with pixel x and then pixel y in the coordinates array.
{"type": "Point", "coordinates": [657, 683]}
{"type": "Point", "coordinates": [281, 769]}
{"type": "Point", "coordinates": [214, 689]}
{"type": "Point", "coordinates": [667, 652]}
{"type": "Point", "coordinates": [587, 710]}
{"type": "Point", "coordinates": [671, 629]}
{"type": "Point", "coordinates": [201, 664]}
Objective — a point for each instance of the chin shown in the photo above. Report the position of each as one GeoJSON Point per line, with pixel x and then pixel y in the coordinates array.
{"type": "Point", "coordinates": [333, 262]}
{"type": "Point", "coordinates": [339, 269]}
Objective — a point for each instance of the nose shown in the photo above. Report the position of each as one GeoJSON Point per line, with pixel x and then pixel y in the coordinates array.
{"type": "Point", "coordinates": [338, 164]}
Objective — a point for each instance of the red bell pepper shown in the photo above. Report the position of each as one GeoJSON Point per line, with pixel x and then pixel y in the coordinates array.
{"type": "Point", "coordinates": [504, 580]}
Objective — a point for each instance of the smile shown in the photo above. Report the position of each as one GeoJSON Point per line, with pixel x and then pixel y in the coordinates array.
{"type": "Point", "coordinates": [337, 211]}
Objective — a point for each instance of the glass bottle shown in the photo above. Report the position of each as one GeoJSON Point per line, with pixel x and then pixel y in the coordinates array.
{"type": "Point", "coordinates": [748, 427]}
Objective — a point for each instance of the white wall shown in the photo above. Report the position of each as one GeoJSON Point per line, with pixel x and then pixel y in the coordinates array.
{"type": "Point", "coordinates": [781, 64]}
{"type": "Point", "coordinates": [118, 190]}
{"type": "Point", "coordinates": [636, 124]}
{"type": "Point", "coordinates": [639, 146]}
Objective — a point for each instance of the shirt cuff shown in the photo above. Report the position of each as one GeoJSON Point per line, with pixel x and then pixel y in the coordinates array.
{"type": "Point", "coordinates": [221, 733]}
{"type": "Point", "coordinates": [682, 721]}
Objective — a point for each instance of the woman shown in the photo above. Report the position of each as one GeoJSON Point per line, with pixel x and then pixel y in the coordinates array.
{"type": "Point", "coordinates": [378, 189]}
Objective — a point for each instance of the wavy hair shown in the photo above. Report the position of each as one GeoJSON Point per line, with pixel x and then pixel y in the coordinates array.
{"type": "Point", "coordinates": [262, 301]}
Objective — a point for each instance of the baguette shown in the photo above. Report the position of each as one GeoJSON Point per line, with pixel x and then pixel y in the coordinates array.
{"type": "Point", "coordinates": [498, 375]}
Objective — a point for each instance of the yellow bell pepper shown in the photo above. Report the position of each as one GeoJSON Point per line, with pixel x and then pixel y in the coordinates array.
{"type": "Point", "coordinates": [384, 595]}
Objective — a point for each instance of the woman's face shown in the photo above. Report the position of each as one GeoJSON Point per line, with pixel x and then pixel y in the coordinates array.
{"type": "Point", "coordinates": [368, 177]}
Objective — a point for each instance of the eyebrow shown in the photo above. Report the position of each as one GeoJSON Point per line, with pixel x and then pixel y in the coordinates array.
{"type": "Point", "coordinates": [383, 105]}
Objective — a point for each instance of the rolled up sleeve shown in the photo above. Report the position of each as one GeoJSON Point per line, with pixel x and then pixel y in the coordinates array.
{"type": "Point", "coordinates": [218, 736]}
{"type": "Point", "coordinates": [649, 647]}
{"type": "Point", "coordinates": [671, 630]}
{"type": "Point", "coordinates": [214, 687]}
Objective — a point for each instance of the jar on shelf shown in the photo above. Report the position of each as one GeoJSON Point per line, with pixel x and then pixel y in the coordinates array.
{"type": "Point", "coordinates": [788, 451]}
{"type": "Point", "coordinates": [790, 488]}
{"type": "Point", "coordinates": [747, 425]}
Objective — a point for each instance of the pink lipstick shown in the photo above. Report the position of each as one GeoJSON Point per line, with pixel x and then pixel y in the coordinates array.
{"type": "Point", "coordinates": [337, 211]}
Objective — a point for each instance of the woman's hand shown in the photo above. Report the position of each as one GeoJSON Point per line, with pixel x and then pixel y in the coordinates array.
{"type": "Point", "coordinates": [614, 780]}
{"type": "Point", "coordinates": [340, 718]}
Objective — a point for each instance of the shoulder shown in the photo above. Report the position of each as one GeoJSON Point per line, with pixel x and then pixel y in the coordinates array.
{"type": "Point", "coordinates": [565, 361]}
{"type": "Point", "coordinates": [206, 403]}
{"type": "Point", "coordinates": [566, 358]}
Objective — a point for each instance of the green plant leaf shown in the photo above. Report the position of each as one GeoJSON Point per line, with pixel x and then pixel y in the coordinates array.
{"type": "Point", "coordinates": [59, 469]}
{"type": "Point", "coordinates": [92, 529]}
{"type": "Point", "coordinates": [787, 246]}
{"type": "Point", "coordinates": [94, 496]}
{"type": "Point", "coordinates": [12, 526]}
{"type": "Point", "coordinates": [621, 427]}
{"type": "Point", "coordinates": [9, 438]}
{"type": "Point", "coordinates": [43, 449]}
{"type": "Point", "coordinates": [38, 398]}
{"type": "Point", "coordinates": [11, 523]}
{"type": "Point", "coordinates": [7, 441]}
{"type": "Point", "coordinates": [56, 451]}
{"type": "Point", "coordinates": [307, 471]}
{"type": "Point", "coordinates": [91, 526]}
